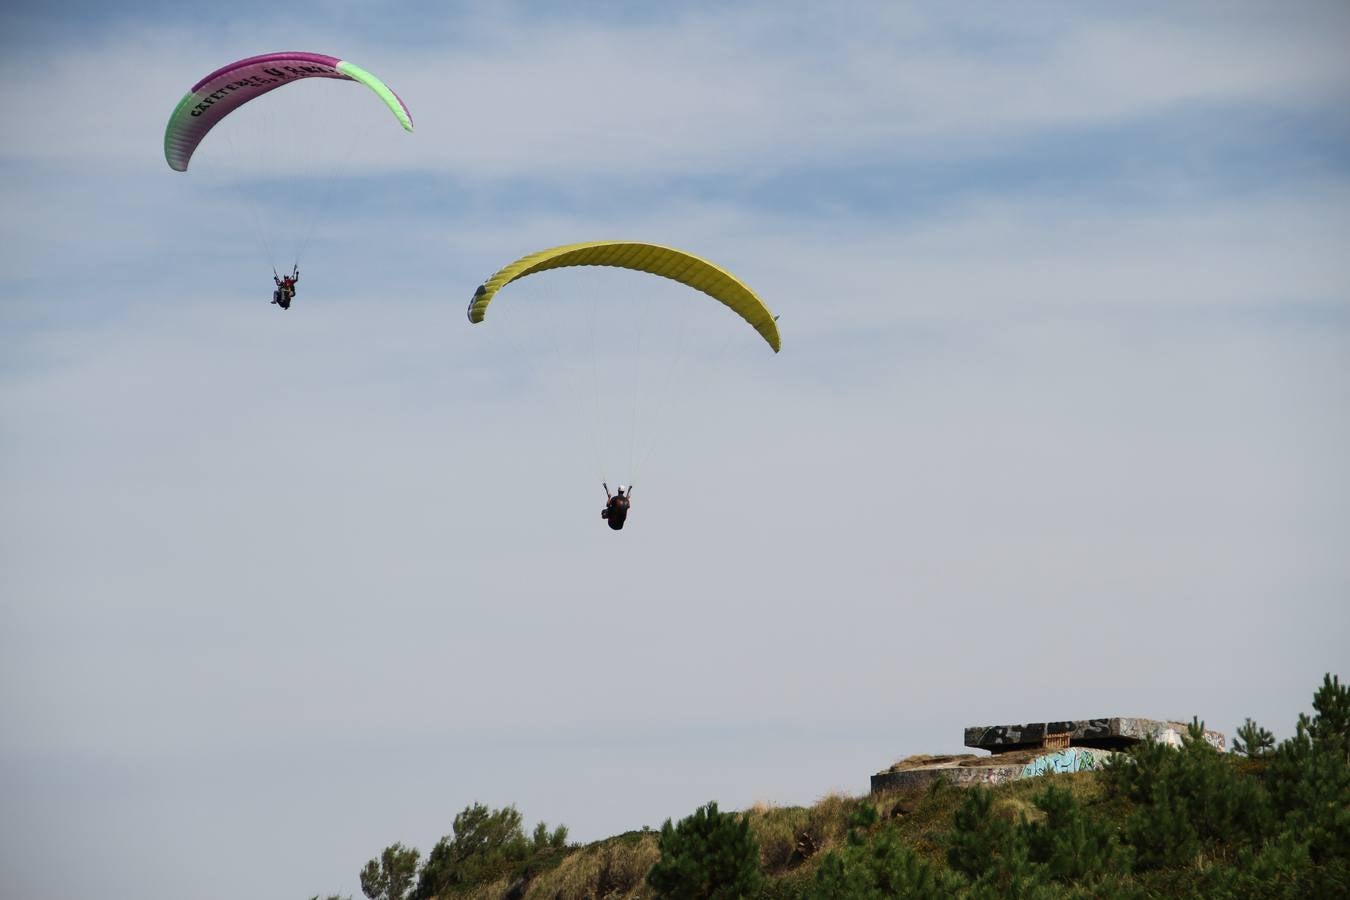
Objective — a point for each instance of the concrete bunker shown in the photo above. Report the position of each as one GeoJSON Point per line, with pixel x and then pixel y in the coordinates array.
{"type": "Point", "coordinates": [1035, 748]}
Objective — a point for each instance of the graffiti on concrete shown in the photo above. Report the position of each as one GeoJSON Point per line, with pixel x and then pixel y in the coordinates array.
{"type": "Point", "coordinates": [1171, 733]}
{"type": "Point", "coordinates": [1074, 759]}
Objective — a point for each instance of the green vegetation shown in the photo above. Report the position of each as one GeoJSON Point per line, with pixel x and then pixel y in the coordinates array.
{"type": "Point", "coordinates": [1270, 820]}
{"type": "Point", "coordinates": [1253, 740]}
{"type": "Point", "coordinates": [709, 856]}
{"type": "Point", "coordinates": [486, 845]}
{"type": "Point", "coordinates": [390, 876]}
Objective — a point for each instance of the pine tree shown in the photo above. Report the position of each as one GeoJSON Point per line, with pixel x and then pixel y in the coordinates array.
{"type": "Point", "coordinates": [1186, 799]}
{"type": "Point", "coordinates": [878, 868]}
{"type": "Point", "coordinates": [710, 855]}
{"type": "Point", "coordinates": [390, 877]}
{"type": "Point", "coordinates": [1068, 844]}
{"type": "Point", "coordinates": [1331, 726]}
{"type": "Point", "coordinates": [977, 836]}
{"type": "Point", "coordinates": [485, 844]}
{"type": "Point", "coordinates": [1309, 777]}
{"type": "Point", "coordinates": [1253, 740]}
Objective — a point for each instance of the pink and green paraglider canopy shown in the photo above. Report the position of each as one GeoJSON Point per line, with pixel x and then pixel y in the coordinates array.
{"type": "Point", "coordinates": [226, 89]}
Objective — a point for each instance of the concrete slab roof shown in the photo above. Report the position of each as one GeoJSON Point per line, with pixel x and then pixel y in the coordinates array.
{"type": "Point", "coordinates": [1104, 734]}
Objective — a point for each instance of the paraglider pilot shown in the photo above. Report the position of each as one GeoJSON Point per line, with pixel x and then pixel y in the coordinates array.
{"type": "Point", "coordinates": [616, 510]}
{"type": "Point", "coordinates": [285, 291]}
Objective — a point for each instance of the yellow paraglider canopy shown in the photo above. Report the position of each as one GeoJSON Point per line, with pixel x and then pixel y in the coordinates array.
{"type": "Point", "coordinates": [666, 262]}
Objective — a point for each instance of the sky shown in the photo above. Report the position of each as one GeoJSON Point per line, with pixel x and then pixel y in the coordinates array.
{"type": "Point", "coordinates": [1059, 427]}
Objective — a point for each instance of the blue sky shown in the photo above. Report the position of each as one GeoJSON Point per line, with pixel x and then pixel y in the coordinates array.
{"type": "Point", "coordinates": [1058, 428]}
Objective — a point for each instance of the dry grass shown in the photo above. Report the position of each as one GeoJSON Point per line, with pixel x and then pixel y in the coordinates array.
{"type": "Point", "coordinates": [920, 760]}
{"type": "Point", "coordinates": [790, 836]}
{"type": "Point", "coordinates": [1014, 809]}
{"type": "Point", "coordinates": [1086, 789]}
{"type": "Point", "coordinates": [615, 869]}
{"type": "Point", "coordinates": [493, 891]}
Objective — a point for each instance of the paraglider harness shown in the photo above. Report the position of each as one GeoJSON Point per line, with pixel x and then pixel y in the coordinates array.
{"type": "Point", "coordinates": [616, 510]}
{"type": "Point", "coordinates": [285, 291]}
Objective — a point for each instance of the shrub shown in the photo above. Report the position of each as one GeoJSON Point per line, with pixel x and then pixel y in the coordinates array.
{"type": "Point", "coordinates": [1278, 871]}
{"type": "Point", "coordinates": [1068, 844]}
{"type": "Point", "coordinates": [879, 868]}
{"type": "Point", "coordinates": [1025, 858]}
{"type": "Point", "coordinates": [710, 855]}
{"type": "Point", "coordinates": [977, 837]}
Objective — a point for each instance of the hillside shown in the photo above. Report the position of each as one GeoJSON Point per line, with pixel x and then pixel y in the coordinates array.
{"type": "Point", "coordinates": [1156, 821]}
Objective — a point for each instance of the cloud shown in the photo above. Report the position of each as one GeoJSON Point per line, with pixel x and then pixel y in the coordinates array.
{"type": "Point", "coordinates": [760, 89]}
